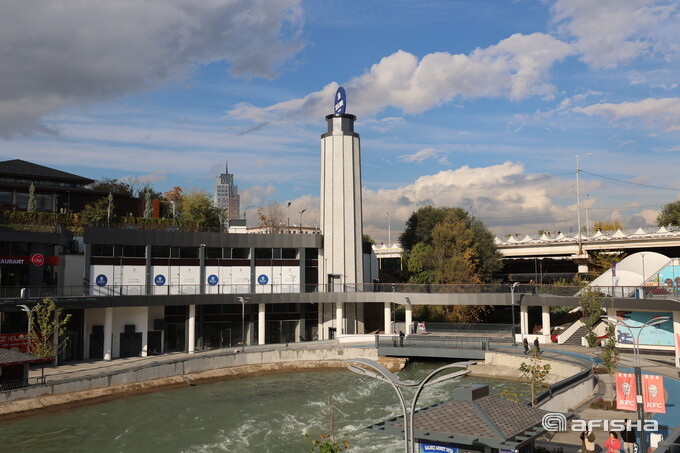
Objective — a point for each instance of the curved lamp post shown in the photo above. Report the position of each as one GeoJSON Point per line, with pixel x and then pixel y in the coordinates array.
{"type": "Point", "coordinates": [243, 321]}
{"type": "Point", "coordinates": [512, 304]}
{"type": "Point", "coordinates": [385, 375]}
{"type": "Point", "coordinates": [637, 367]}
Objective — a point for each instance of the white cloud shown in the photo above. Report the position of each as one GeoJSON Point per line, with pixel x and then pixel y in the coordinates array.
{"type": "Point", "coordinates": [609, 33]}
{"type": "Point", "coordinates": [664, 113]}
{"type": "Point", "coordinates": [515, 68]}
{"type": "Point", "coordinates": [75, 52]}
{"type": "Point", "coordinates": [426, 154]}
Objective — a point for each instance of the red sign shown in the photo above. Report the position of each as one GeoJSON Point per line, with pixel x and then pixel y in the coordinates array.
{"type": "Point", "coordinates": [653, 393]}
{"type": "Point", "coordinates": [625, 392]}
{"type": "Point", "coordinates": [38, 259]}
{"type": "Point", "coordinates": [15, 340]}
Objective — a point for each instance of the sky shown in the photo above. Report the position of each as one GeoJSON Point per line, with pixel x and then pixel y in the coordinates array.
{"type": "Point", "coordinates": [481, 104]}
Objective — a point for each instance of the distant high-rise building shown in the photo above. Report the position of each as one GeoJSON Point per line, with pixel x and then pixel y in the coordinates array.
{"type": "Point", "coordinates": [226, 195]}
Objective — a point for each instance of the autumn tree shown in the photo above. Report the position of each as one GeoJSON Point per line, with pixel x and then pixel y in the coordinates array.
{"type": "Point", "coordinates": [669, 215]}
{"type": "Point", "coordinates": [48, 325]}
{"type": "Point", "coordinates": [536, 372]}
{"type": "Point", "coordinates": [272, 218]}
{"type": "Point", "coordinates": [612, 225]}
{"type": "Point", "coordinates": [197, 212]}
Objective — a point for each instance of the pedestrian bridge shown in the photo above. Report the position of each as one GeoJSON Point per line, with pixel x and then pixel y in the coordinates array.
{"type": "Point", "coordinates": [436, 347]}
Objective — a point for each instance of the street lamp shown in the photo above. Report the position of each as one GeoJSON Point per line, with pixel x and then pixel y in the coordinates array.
{"type": "Point", "coordinates": [301, 212]}
{"type": "Point", "coordinates": [28, 312]}
{"type": "Point", "coordinates": [245, 213]}
{"type": "Point", "coordinates": [637, 367]}
{"type": "Point", "coordinates": [243, 321]}
{"type": "Point", "coordinates": [578, 204]}
{"type": "Point", "coordinates": [383, 374]}
{"type": "Point", "coordinates": [512, 304]}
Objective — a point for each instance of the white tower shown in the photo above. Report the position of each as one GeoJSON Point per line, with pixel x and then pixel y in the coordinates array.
{"type": "Point", "coordinates": [341, 261]}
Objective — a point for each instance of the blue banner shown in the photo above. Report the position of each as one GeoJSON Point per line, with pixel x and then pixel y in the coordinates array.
{"type": "Point", "coordinates": [659, 335]}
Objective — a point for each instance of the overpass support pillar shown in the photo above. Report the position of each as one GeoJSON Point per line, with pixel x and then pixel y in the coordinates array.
{"type": "Point", "coordinates": [388, 318]}
{"type": "Point", "coordinates": [191, 329]}
{"type": "Point", "coordinates": [524, 320]}
{"type": "Point", "coordinates": [108, 332]}
{"type": "Point", "coordinates": [260, 323]}
{"type": "Point", "coordinates": [545, 321]}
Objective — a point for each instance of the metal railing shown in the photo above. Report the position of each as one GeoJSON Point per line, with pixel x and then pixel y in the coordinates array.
{"type": "Point", "coordinates": [632, 292]}
{"type": "Point", "coordinates": [469, 328]}
{"type": "Point", "coordinates": [417, 341]}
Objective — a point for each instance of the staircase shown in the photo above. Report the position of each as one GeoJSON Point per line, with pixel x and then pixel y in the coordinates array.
{"type": "Point", "coordinates": [575, 338]}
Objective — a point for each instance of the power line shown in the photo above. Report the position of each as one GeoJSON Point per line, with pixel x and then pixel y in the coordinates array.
{"type": "Point", "coordinates": [629, 182]}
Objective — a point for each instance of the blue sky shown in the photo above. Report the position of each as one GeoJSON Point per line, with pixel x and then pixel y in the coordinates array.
{"type": "Point", "coordinates": [479, 104]}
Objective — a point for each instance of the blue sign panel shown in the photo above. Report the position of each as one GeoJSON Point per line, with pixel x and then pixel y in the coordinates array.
{"type": "Point", "coordinates": [262, 279]}
{"type": "Point", "coordinates": [213, 280]}
{"type": "Point", "coordinates": [101, 280]}
{"type": "Point", "coordinates": [159, 280]}
{"type": "Point", "coordinates": [659, 335]}
{"type": "Point", "coordinates": [340, 102]}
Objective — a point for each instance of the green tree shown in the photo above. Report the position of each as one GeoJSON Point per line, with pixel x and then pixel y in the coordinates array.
{"type": "Point", "coordinates": [536, 372]}
{"type": "Point", "coordinates": [602, 261]}
{"type": "Point", "coordinates": [591, 307]}
{"type": "Point", "coordinates": [196, 211]}
{"type": "Point", "coordinates": [32, 203]}
{"type": "Point", "coordinates": [96, 213]}
{"type": "Point", "coordinates": [463, 249]}
{"type": "Point", "coordinates": [610, 355]}
{"type": "Point", "coordinates": [669, 215]}
{"type": "Point", "coordinates": [421, 264]}
{"type": "Point", "coordinates": [367, 238]}
{"type": "Point", "coordinates": [47, 329]}
{"type": "Point", "coordinates": [112, 185]}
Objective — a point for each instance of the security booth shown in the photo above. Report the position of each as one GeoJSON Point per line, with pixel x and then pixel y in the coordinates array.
{"type": "Point", "coordinates": [473, 422]}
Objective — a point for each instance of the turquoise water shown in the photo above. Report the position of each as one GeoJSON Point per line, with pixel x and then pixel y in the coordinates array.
{"type": "Point", "coordinates": [260, 414]}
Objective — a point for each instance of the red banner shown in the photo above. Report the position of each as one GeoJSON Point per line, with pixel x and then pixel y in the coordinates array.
{"type": "Point", "coordinates": [625, 392]}
{"type": "Point", "coordinates": [15, 340]}
{"type": "Point", "coordinates": [36, 260]}
{"type": "Point", "coordinates": [653, 393]}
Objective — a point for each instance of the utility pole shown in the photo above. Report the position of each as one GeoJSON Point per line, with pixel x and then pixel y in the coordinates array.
{"type": "Point", "coordinates": [578, 204]}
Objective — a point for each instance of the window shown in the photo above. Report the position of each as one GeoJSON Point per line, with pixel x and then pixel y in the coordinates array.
{"type": "Point", "coordinates": [240, 254]}
{"type": "Point", "coordinates": [102, 250]}
{"type": "Point", "coordinates": [289, 254]}
{"type": "Point", "coordinates": [188, 252]}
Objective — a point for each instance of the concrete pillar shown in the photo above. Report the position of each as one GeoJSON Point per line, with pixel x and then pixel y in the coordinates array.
{"type": "Point", "coordinates": [524, 319]}
{"type": "Point", "coordinates": [409, 319]}
{"type": "Point", "coordinates": [145, 332]}
{"type": "Point", "coordinates": [108, 332]}
{"type": "Point", "coordinates": [388, 318]}
{"type": "Point", "coordinates": [676, 331]}
{"type": "Point", "coordinates": [339, 318]}
{"type": "Point", "coordinates": [545, 320]}
{"type": "Point", "coordinates": [191, 329]}
{"type": "Point", "coordinates": [260, 324]}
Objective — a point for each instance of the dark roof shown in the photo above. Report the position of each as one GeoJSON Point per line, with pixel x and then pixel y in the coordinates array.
{"type": "Point", "coordinates": [18, 167]}
{"type": "Point", "coordinates": [14, 357]}
{"type": "Point", "coordinates": [483, 421]}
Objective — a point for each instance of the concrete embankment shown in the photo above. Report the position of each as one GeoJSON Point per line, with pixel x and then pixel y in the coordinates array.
{"type": "Point", "coordinates": [506, 366]}
{"type": "Point", "coordinates": [177, 373]}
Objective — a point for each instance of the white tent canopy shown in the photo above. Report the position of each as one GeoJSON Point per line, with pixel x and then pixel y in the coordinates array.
{"type": "Point", "coordinates": [632, 271]}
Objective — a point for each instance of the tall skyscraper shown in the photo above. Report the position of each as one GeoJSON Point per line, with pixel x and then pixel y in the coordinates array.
{"type": "Point", "coordinates": [226, 195]}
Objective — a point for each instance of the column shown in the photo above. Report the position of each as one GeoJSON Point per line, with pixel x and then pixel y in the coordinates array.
{"type": "Point", "coordinates": [409, 319]}
{"type": "Point", "coordinates": [676, 331]}
{"type": "Point", "coordinates": [191, 346]}
{"type": "Point", "coordinates": [339, 318]}
{"type": "Point", "coordinates": [108, 332]}
{"type": "Point", "coordinates": [524, 319]}
{"type": "Point", "coordinates": [260, 324]}
{"type": "Point", "coordinates": [545, 322]}
{"type": "Point", "coordinates": [145, 332]}
{"type": "Point", "coordinates": [388, 318]}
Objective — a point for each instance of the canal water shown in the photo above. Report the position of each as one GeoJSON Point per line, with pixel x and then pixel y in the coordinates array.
{"type": "Point", "coordinates": [260, 414]}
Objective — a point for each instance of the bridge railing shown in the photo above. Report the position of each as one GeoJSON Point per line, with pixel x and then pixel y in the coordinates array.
{"type": "Point", "coordinates": [472, 328]}
{"type": "Point", "coordinates": [418, 341]}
